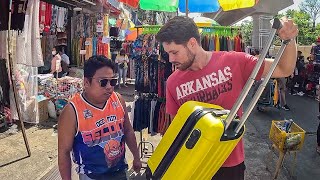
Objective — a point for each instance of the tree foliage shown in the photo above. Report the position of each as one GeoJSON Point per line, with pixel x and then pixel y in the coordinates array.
{"type": "Point", "coordinates": [312, 8]}
{"type": "Point", "coordinates": [307, 34]}
{"type": "Point", "coordinates": [246, 31]}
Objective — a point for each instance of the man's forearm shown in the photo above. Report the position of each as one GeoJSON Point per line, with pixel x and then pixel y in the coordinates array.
{"type": "Point", "coordinates": [132, 143]}
{"type": "Point", "coordinates": [288, 59]}
{"type": "Point", "coordinates": [64, 162]}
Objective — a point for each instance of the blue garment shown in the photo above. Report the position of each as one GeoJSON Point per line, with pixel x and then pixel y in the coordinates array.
{"type": "Point", "coordinates": [211, 44]}
{"type": "Point", "coordinates": [316, 51]}
{"type": "Point", "coordinates": [94, 46]}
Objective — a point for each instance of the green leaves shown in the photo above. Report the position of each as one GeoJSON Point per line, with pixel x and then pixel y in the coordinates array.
{"type": "Point", "coordinates": [307, 33]}
{"type": "Point", "coordinates": [246, 31]}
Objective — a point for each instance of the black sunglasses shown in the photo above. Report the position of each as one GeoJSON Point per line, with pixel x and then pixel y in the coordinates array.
{"type": "Point", "coordinates": [103, 82]}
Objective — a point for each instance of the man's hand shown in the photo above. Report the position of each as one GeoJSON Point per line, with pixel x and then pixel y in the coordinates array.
{"type": "Point", "coordinates": [289, 29]}
{"type": "Point", "coordinates": [137, 165]}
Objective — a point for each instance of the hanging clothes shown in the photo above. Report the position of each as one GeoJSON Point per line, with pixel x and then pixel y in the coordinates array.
{"type": "Point", "coordinates": [32, 34]}
{"type": "Point", "coordinates": [4, 82]}
{"type": "Point", "coordinates": [211, 43]}
{"type": "Point", "coordinates": [105, 25]}
{"type": "Point", "coordinates": [18, 16]}
{"type": "Point", "coordinates": [103, 48]}
{"type": "Point", "coordinates": [88, 48]}
{"type": "Point", "coordinates": [62, 14]}
{"type": "Point", "coordinates": [22, 51]}
{"type": "Point", "coordinates": [4, 15]}
{"type": "Point", "coordinates": [94, 46]}
{"type": "Point", "coordinates": [217, 43]}
{"type": "Point", "coordinates": [152, 67]}
{"type": "Point", "coordinates": [54, 16]}
{"type": "Point", "coordinates": [45, 14]}
{"type": "Point", "coordinates": [99, 24]}
{"type": "Point", "coordinates": [149, 112]}
{"type": "Point", "coordinates": [238, 45]}
{"type": "Point", "coordinates": [230, 44]}
{"type": "Point", "coordinates": [75, 51]}
{"type": "Point", "coordinates": [86, 25]}
{"type": "Point", "coordinates": [221, 40]}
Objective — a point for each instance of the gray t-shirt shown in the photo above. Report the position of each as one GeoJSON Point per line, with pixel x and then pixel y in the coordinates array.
{"type": "Point", "coordinates": [65, 58]}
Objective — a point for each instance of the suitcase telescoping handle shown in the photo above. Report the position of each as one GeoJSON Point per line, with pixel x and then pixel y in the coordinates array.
{"type": "Point", "coordinates": [276, 26]}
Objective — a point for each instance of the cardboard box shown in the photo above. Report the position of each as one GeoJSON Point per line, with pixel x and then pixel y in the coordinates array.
{"type": "Point", "coordinates": [43, 113]}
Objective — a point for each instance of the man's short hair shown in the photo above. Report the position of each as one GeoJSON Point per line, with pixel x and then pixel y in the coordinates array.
{"type": "Point", "coordinates": [179, 30]}
{"type": "Point", "coordinates": [95, 63]}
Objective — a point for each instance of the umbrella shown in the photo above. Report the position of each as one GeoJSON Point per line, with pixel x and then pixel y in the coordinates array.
{"type": "Point", "coordinates": [200, 6]}
{"type": "Point", "coordinates": [204, 21]}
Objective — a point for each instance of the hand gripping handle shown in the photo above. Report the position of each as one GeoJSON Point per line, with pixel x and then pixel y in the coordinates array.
{"type": "Point", "coordinates": [276, 26]}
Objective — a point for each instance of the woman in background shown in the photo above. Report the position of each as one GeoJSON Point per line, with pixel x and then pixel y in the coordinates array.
{"type": "Point", "coordinates": [56, 68]}
{"type": "Point", "coordinates": [122, 61]}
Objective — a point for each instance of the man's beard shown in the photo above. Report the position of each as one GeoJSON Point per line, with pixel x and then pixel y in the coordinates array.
{"type": "Point", "coordinates": [188, 64]}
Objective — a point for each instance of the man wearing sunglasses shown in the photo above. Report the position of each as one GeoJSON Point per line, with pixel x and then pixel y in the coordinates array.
{"type": "Point", "coordinates": [95, 126]}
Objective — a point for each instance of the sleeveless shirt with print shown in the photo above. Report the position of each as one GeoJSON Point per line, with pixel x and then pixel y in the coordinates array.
{"type": "Point", "coordinates": [99, 145]}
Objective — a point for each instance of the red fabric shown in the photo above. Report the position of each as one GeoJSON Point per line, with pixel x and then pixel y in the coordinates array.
{"type": "Point", "coordinates": [237, 44]}
{"type": "Point", "coordinates": [310, 69]}
{"type": "Point", "coordinates": [47, 22]}
{"type": "Point", "coordinates": [132, 3]}
{"type": "Point", "coordinates": [102, 48]}
{"type": "Point", "coordinates": [42, 15]}
{"type": "Point", "coordinates": [45, 13]}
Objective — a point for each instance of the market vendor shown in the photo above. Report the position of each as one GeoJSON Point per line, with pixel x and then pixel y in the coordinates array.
{"type": "Point", "coordinates": [56, 68]}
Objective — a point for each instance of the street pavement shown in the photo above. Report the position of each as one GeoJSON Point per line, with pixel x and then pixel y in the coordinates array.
{"type": "Point", "coordinates": [304, 112]}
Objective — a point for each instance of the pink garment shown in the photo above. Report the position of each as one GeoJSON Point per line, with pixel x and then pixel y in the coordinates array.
{"type": "Point", "coordinates": [220, 83]}
{"type": "Point", "coordinates": [7, 113]}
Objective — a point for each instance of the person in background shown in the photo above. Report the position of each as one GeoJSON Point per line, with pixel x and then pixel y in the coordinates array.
{"type": "Point", "coordinates": [122, 61]}
{"type": "Point", "coordinates": [114, 55]}
{"type": "Point", "coordinates": [56, 68]}
{"type": "Point", "coordinates": [65, 62]}
{"type": "Point", "coordinates": [283, 90]}
{"type": "Point", "coordinates": [95, 126]}
{"type": "Point", "coordinates": [315, 51]}
{"type": "Point", "coordinates": [297, 76]}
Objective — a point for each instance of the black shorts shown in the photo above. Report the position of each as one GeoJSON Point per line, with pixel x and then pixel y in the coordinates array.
{"type": "Point", "coordinates": [231, 173]}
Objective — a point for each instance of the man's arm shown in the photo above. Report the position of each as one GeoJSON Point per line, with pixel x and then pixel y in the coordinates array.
{"type": "Point", "coordinates": [66, 132]}
{"type": "Point", "coordinates": [286, 64]}
{"type": "Point", "coordinates": [289, 57]}
{"type": "Point", "coordinates": [129, 135]}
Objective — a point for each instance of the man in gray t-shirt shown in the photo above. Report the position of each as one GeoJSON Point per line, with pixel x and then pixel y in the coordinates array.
{"type": "Point", "coordinates": [65, 62]}
{"type": "Point", "coordinates": [65, 58]}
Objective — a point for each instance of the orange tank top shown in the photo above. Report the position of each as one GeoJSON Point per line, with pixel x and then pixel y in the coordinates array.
{"type": "Point", "coordinates": [99, 143]}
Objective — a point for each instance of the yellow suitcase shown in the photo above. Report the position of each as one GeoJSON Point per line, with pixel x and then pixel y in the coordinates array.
{"type": "Point", "coordinates": [193, 133]}
{"type": "Point", "coordinates": [202, 136]}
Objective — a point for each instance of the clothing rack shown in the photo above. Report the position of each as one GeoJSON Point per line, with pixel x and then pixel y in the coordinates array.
{"type": "Point", "coordinates": [144, 151]}
{"type": "Point", "coordinates": [146, 148]}
{"type": "Point", "coordinates": [153, 29]}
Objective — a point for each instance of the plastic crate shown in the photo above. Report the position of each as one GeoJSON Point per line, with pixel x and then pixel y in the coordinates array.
{"type": "Point", "coordinates": [278, 136]}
